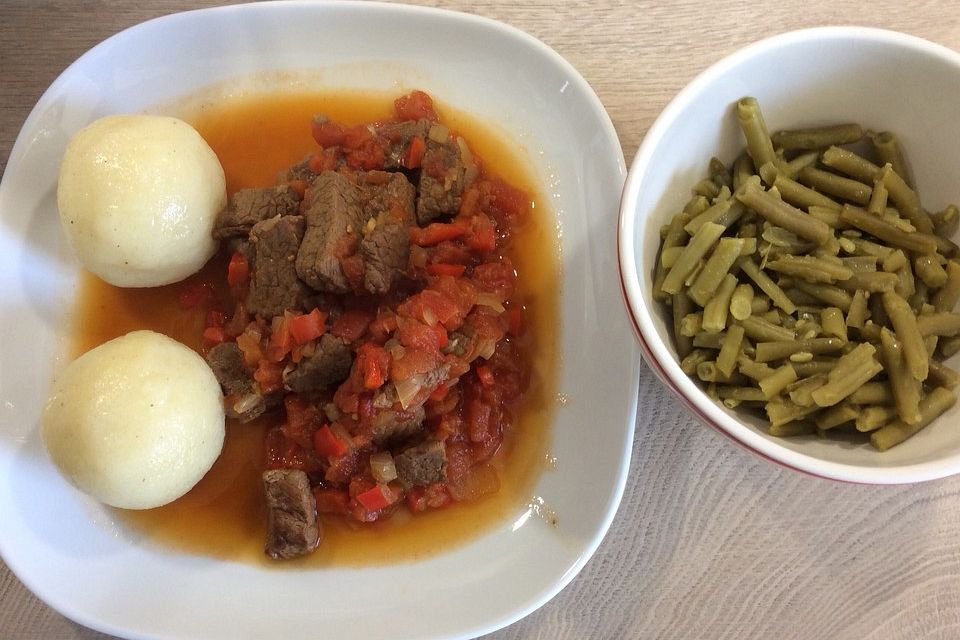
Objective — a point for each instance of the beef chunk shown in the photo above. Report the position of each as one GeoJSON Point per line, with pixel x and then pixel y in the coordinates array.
{"type": "Point", "coordinates": [274, 285]}
{"type": "Point", "coordinates": [334, 218]}
{"type": "Point", "coordinates": [442, 181]}
{"type": "Point", "coordinates": [386, 244]}
{"type": "Point", "coordinates": [398, 135]}
{"type": "Point", "coordinates": [299, 171]}
{"type": "Point", "coordinates": [292, 526]}
{"type": "Point", "coordinates": [423, 464]}
{"type": "Point", "coordinates": [329, 364]}
{"type": "Point", "coordinates": [250, 206]}
{"type": "Point", "coordinates": [244, 401]}
{"type": "Point", "coordinates": [391, 426]}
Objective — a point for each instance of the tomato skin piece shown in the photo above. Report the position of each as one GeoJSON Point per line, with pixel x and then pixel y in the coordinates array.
{"type": "Point", "coordinates": [327, 133]}
{"type": "Point", "coordinates": [415, 105]}
{"type": "Point", "coordinates": [373, 365]}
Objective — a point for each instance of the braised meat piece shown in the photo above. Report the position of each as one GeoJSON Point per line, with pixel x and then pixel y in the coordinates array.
{"type": "Point", "coordinates": [274, 285]}
{"type": "Point", "coordinates": [423, 464]}
{"type": "Point", "coordinates": [385, 248]}
{"type": "Point", "coordinates": [329, 364]}
{"type": "Point", "coordinates": [247, 207]}
{"type": "Point", "coordinates": [292, 526]}
{"type": "Point", "coordinates": [334, 217]}
{"type": "Point", "coordinates": [399, 135]}
{"type": "Point", "coordinates": [243, 401]}
{"type": "Point", "coordinates": [391, 426]}
{"type": "Point", "coordinates": [443, 180]}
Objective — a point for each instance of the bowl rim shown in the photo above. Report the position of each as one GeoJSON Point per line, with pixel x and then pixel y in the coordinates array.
{"type": "Point", "coordinates": [660, 357]}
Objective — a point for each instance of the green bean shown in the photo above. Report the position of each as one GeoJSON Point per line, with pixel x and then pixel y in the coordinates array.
{"type": "Point", "coordinates": [695, 206]}
{"type": "Point", "coordinates": [905, 388]}
{"type": "Point", "coordinates": [743, 394]}
{"type": "Point", "coordinates": [793, 167]}
{"type": "Point", "coordinates": [930, 271]}
{"type": "Point", "coordinates": [741, 303]}
{"type": "Point", "coordinates": [940, 323]}
{"type": "Point", "coordinates": [729, 350]}
{"type": "Point", "coordinates": [860, 264]}
{"type": "Point", "coordinates": [949, 347]}
{"type": "Point", "coordinates": [946, 298]}
{"type": "Point", "coordinates": [709, 340]}
{"type": "Point", "coordinates": [946, 223]}
{"type": "Point", "coordinates": [690, 363]}
{"type": "Point", "coordinates": [888, 149]}
{"type": "Point", "coordinates": [681, 307]}
{"type": "Point", "coordinates": [851, 164]}
{"type": "Point", "coordinates": [753, 369]}
{"type": "Point", "coordinates": [830, 294]}
{"type": "Point", "coordinates": [718, 172]}
{"type": "Point", "coordinates": [706, 188]}
{"type": "Point", "coordinates": [755, 131]}
{"type": "Point", "coordinates": [920, 242]}
{"type": "Point", "coordinates": [715, 313]}
{"type": "Point", "coordinates": [894, 261]}
{"type": "Point", "coordinates": [698, 247]}
{"type": "Point", "coordinates": [943, 376]}
{"type": "Point", "coordinates": [781, 411]}
{"type": "Point", "coordinates": [710, 214]}
{"type": "Point", "coordinates": [872, 281]}
{"type": "Point", "coordinates": [872, 418]}
{"type": "Point", "coordinates": [845, 188]}
{"type": "Point", "coordinates": [691, 324]}
{"type": "Point", "coordinates": [742, 169]}
{"type": "Point", "coordinates": [905, 324]}
{"type": "Point", "coordinates": [933, 405]}
{"type": "Point", "coordinates": [795, 193]}
{"type": "Point", "coordinates": [831, 318]}
{"type": "Point", "coordinates": [811, 268]}
{"type": "Point", "coordinates": [768, 286]}
{"type": "Point", "coordinates": [774, 384]}
{"type": "Point", "coordinates": [801, 390]}
{"type": "Point", "coordinates": [867, 248]}
{"type": "Point", "coordinates": [790, 429]}
{"type": "Point", "coordinates": [815, 366]}
{"type": "Point", "coordinates": [759, 329]}
{"type": "Point", "coordinates": [828, 216]}
{"type": "Point", "coordinates": [817, 137]}
{"type": "Point", "coordinates": [852, 370]}
{"type": "Point", "coordinates": [907, 201]}
{"type": "Point", "coordinates": [872, 393]}
{"type": "Point", "coordinates": [784, 215]}
{"type": "Point", "coordinates": [769, 351]}
{"type": "Point", "coordinates": [717, 267]}
{"type": "Point", "coordinates": [857, 312]}
{"type": "Point", "coordinates": [836, 415]}
{"type": "Point", "coordinates": [878, 198]}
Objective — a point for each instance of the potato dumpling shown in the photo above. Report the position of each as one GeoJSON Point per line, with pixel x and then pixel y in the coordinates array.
{"type": "Point", "coordinates": [138, 196]}
{"type": "Point", "coordinates": [135, 422]}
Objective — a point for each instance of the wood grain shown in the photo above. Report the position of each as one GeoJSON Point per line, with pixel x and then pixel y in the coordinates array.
{"type": "Point", "coordinates": [710, 541]}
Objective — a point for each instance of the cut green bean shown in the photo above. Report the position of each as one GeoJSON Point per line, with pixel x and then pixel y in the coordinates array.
{"type": "Point", "coordinates": [878, 198]}
{"type": "Point", "coordinates": [943, 376]}
{"type": "Point", "coordinates": [932, 406]}
{"type": "Point", "coordinates": [843, 188]}
{"type": "Point", "coordinates": [851, 164]}
{"type": "Point", "coordinates": [695, 250]}
{"type": "Point", "coordinates": [730, 350]}
{"type": "Point", "coordinates": [872, 418]}
{"type": "Point", "coordinates": [718, 307]}
{"type": "Point", "coordinates": [832, 321]}
{"type": "Point", "coordinates": [810, 268]}
{"type": "Point", "coordinates": [905, 324]}
{"type": "Point", "coordinates": [836, 415]}
{"type": "Point", "coordinates": [857, 314]}
{"type": "Point", "coordinates": [906, 389]}
{"type": "Point", "coordinates": [887, 146]}
{"type": "Point", "coordinates": [907, 201]}
{"type": "Point", "coordinates": [817, 137]}
{"type": "Point", "coordinates": [717, 267]}
{"type": "Point", "coordinates": [768, 286]}
{"type": "Point", "coordinates": [872, 281]}
{"type": "Point", "coordinates": [941, 323]}
{"type": "Point", "coordinates": [923, 243]}
{"type": "Point", "coordinates": [769, 351]}
{"type": "Point", "coordinates": [741, 303]}
{"type": "Point", "coordinates": [830, 294]}
{"type": "Point", "coordinates": [801, 391]}
{"type": "Point", "coordinates": [930, 271]}
{"type": "Point", "coordinates": [853, 369]}
{"type": "Point", "coordinates": [759, 145]}
{"type": "Point", "coordinates": [872, 393]}
{"type": "Point", "coordinates": [791, 429]}
{"type": "Point", "coordinates": [946, 298]}
{"type": "Point", "coordinates": [784, 215]}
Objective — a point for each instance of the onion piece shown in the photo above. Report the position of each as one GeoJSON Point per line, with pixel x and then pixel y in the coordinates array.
{"type": "Point", "coordinates": [439, 133]}
{"type": "Point", "coordinates": [490, 300]}
{"type": "Point", "coordinates": [471, 171]}
{"type": "Point", "coordinates": [407, 390]}
{"type": "Point", "coordinates": [485, 348]}
{"type": "Point", "coordinates": [245, 403]}
{"type": "Point", "coordinates": [382, 467]}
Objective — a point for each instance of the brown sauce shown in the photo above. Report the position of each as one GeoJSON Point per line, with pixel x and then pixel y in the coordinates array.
{"type": "Point", "coordinates": [224, 515]}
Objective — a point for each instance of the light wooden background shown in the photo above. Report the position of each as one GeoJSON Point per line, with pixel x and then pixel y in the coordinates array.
{"type": "Point", "coordinates": [710, 542]}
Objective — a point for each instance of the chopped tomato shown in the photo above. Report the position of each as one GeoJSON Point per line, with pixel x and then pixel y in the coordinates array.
{"type": "Point", "coordinates": [505, 200]}
{"type": "Point", "coordinates": [443, 269]}
{"type": "Point", "coordinates": [215, 335]}
{"type": "Point", "coordinates": [414, 106]}
{"type": "Point", "coordinates": [302, 420]}
{"type": "Point", "coordinates": [326, 160]}
{"type": "Point", "coordinates": [432, 496]}
{"type": "Point", "coordinates": [269, 375]}
{"type": "Point", "coordinates": [415, 361]}
{"type": "Point", "coordinates": [498, 277]}
{"type": "Point", "coordinates": [440, 392]}
{"type": "Point", "coordinates": [327, 133]}
{"type": "Point", "coordinates": [306, 327]}
{"type": "Point", "coordinates": [373, 364]}
{"type": "Point", "coordinates": [416, 334]}
{"type": "Point", "coordinates": [484, 375]}
{"type": "Point", "coordinates": [362, 149]}
{"type": "Point", "coordinates": [326, 442]}
{"type": "Point", "coordinates": [436, 232]}
{"type": "Point", "coordinates": [238, 271]}
{"type": "Point", "coordinates": [376, 498]}
{"type": "Point", "coordinates": [514, 321]}
{"type": "Point", "coordinates": [383, 325]}
{"type": "Point", "coordinates": [351, 324]}
{"type": "Point", "coordinates": [280, 339]}
{"type": "Point", "coordinates": [482, 237]}
{"type": "Point", "coordinates": [413, 154]}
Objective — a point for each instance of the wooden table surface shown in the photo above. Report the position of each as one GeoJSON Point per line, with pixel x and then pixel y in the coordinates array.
{"type": "Point", "coordinates": [710, 541]}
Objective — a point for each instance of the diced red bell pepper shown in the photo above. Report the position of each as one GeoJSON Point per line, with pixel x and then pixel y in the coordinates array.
{"type": "Point", "coordinates": [436, 232]}
{"type": "Point", "coordinates": [238, 271]}
{"type": "Point", "coordinates": [308, 326]}
{"type": "Point", "coordinates": [351, 324]}
{"type": "Point", "coordinates": [215, 335]}
{"type": "Point", "coordinates": [376, 498]}
{"type": "Point", "coordinates": [414, 106]}
{"type": "Point", "coordinates": [280, 340]}
{"type": "Point", "coordinates": [413, 154]}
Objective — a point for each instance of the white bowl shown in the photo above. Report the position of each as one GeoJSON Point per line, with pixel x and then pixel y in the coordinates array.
{"type": "Point", "coordinates": [880, 79]}
{"type": "Point", "coordinates": [68, 549]}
